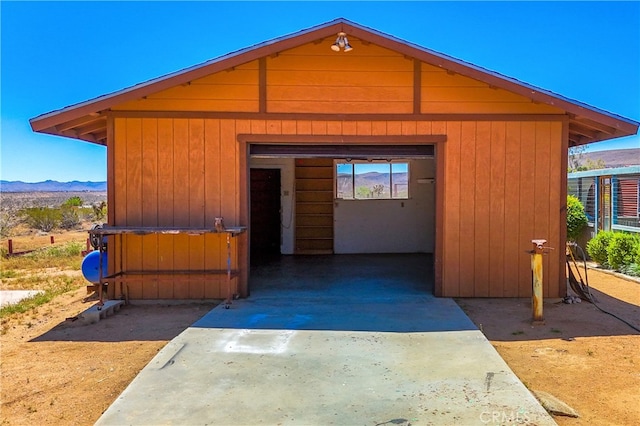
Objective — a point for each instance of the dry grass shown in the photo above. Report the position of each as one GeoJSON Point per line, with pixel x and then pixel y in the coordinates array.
{"type": "Point", "coordinates": [27, 239]}
{"type": "Point", "coordinates": [53, 269]}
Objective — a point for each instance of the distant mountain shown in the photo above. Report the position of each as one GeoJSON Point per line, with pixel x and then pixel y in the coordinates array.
{"type": "Point", "coordinates": [374, 178]}
{"type": "Point", "coordinates": [52, 186]}
{"type": "Point", "coordinates": [370, 179]}
{"type": "Point", "coordinates": [615, 157]}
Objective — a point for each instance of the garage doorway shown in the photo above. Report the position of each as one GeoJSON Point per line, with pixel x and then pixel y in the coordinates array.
{"type": "Point", "coordinates": [265, 213]}
{"type": "Point", "coordinates": [367, 234]}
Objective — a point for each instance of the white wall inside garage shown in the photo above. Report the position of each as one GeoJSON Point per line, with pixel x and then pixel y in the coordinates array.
{"type": "Point", "coordinates": [390, 226]}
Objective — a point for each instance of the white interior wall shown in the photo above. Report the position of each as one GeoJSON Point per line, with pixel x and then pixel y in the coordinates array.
{"type": "Point", "coordinates": [390, 226]}
{"type": "Point", "coordinates": [287, 181]}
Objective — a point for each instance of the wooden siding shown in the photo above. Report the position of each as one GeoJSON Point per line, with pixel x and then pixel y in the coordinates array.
{"type": "Point", "coordinates": [315, 79]}
{"type": "Point", "coordinates": [175, 172]}
{"type": "Point", "coordinates": [501, 184]}
{"type": "Point", "coordinates": [443, 92]}
{"type": "Point", "coordinates": [502, 189]}
{"type": "Point", "coordinates": [232, 90]}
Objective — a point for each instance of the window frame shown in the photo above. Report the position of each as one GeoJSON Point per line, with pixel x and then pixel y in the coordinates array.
{"type": "Point", "coordinates": [354, 163]}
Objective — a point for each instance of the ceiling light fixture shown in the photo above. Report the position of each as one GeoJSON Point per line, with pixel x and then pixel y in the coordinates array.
{"type": "Point", "coordinates": [341, 43]}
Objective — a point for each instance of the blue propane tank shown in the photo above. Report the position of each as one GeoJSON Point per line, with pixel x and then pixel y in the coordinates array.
{"type": "Point", "coordinates": [91, 266]}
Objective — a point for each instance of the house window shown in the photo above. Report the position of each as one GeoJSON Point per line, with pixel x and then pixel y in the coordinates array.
{"type": "Point", "coordinates": [381, 180]}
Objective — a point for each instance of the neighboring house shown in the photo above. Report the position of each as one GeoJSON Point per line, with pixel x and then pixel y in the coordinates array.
{"type": "Point", "coordinates": [470, 165]}
{"type": "Point", "coordinates": [611, 198]}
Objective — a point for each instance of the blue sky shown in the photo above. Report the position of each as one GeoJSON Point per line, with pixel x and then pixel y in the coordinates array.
{"type": "Point", "coordinates": [54, 54]}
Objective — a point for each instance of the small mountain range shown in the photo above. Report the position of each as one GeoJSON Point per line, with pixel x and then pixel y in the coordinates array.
{"type": "Point", "coordinates": [615, 157]}
{"type": "Point", "coordinates": [52, 186]}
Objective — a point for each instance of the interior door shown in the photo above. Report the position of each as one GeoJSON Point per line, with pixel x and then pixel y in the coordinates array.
{"type": "Point", "coordinates": [265, 212]}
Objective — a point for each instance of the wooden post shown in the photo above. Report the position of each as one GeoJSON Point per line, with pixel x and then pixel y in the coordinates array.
{"type": "Point", "coordinates": [52, 240]}
{"type": "Point", "coordinates": [537, 274]}
{"type": "Point", "coordinates": [10, 246]}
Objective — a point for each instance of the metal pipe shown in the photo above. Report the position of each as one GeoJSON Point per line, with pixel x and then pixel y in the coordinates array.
{"type": "Point", "coordinates": [537, 274]}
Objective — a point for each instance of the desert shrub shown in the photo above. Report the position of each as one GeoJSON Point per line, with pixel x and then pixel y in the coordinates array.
{"type": "Point", "coordinates": [86, 214]}
{"type": "Point", "coordinates": [69, 218]}
{"type": "Point", "coordinates": [363, 192]}
{"type": "Point", "coordinates": [8, 221]}
{"type": "Point", "coordinates": [73, 202]}
{"type": "Point", "coordinates": [100, 210]}
{"type": "Point", "coordinates": [576, 218]}
{"type": "Point", "coordinates": [597, 247]}
{"type": "Point", "coordinates": [42, 218]}
{"type": "Point", "coordinates": [621, 250]}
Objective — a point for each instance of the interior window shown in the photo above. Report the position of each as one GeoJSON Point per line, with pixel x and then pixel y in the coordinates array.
{"type": "Point", "coordinates": [372, 180]}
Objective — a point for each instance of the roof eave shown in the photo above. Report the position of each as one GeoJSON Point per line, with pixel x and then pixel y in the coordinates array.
{"type": "Point", "coordinates": [616, 126]}
{"type": "Point", "coordinates": [167, 81]}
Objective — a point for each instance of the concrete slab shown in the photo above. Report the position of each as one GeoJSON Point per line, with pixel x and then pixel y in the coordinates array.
{"type": "Point", "coordinates": [11, 297]}
{"type": "Point", "coordinates": [96, 312]}
{"type": "Point", "coordinates": [329, 357]}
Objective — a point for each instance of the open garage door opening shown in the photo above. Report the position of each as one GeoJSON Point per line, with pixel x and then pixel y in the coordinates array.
{"type": "Point", "coordinates": [356, 207]}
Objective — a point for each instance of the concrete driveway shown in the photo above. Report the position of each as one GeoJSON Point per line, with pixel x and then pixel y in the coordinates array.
{"type": "Point", "coordinates": [364, 348]}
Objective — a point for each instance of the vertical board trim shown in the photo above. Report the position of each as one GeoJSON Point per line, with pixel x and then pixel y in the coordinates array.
{"type": "Point", "coordinates": [262, 85]}
{"type": "Point", "coordinates": [417, 86]}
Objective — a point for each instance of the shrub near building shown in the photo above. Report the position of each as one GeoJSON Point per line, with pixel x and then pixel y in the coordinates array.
{"type": "Point", "coordinates": [597, 248]}
{"type": "Point", "coordinates": [616, 250]}
{"type": "Point", "coordinates": [576, 217]}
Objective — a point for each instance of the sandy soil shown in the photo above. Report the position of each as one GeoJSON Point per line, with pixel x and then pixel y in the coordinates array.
{"type": "Point", "coordinates": [57, 371]}
{"type": "Point", "coordinates": [588, 359]}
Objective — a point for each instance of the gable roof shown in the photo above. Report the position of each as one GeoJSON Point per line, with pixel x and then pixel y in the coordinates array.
{"type": "Point", "coordinates": [87, 120]}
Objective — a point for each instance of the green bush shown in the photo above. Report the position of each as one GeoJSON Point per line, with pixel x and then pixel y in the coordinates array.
{"type": "Point", "coordinates": [69, 218]}
{"type": "Point", "coordinates": [42, 218]}
{"type": "Point", "coordinates": [622, 249]}
{"type": "Point", "coordinates": [597, 248]}
{"type": "Point", "coordinates": [576, 218]}
{"type": "Point", "coordinates": [73, 202]}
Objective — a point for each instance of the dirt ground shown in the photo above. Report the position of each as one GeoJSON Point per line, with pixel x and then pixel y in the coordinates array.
{"type": "Point", "coordinates": [57, 371]}
{"type": "Point", "coordinates": [586, 358]}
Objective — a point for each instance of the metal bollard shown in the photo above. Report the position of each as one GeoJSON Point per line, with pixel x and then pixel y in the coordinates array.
{"type": "Point", "coordinates": [537, 274]}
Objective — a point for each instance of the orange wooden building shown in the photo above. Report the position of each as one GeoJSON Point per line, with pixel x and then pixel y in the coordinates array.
{"type": "Point", "coordinates": [484, 159]}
